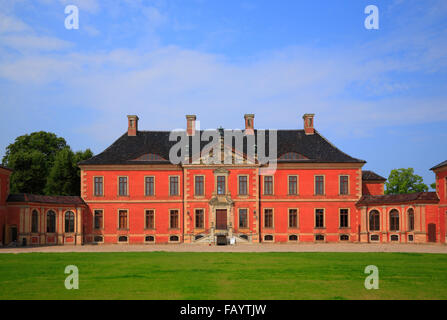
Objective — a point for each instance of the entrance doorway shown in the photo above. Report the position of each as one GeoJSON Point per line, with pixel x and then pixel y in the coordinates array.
{"type": "Point", "coordinates": [221, 219]}
{"type": "Point", "coordinates": [13, 233]}
{"type": "Point", "coordinates": [431, 232]}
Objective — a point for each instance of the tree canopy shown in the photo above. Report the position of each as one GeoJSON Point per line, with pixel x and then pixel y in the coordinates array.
{"type": "Point", "coordinates": [403, 180]}
{"type": "Point", "coordinates": [43, 163]}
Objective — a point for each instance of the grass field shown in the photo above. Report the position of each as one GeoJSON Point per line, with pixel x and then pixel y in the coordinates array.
{"type": "Point", "coordinates": [163, 275]}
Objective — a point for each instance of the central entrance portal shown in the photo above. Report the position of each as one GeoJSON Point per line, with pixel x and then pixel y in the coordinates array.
{"type": "Point", "coordinates": [221, 219]}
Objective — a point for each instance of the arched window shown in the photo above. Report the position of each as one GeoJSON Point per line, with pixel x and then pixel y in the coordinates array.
{"type": "Point", "coordinates": [410, 219]}
{"type": "Point", "coordinates": [394, 220]}
{"type": "Point", "coordinates": [344, 237]}
{"type": "Point", "coordinates": [69, 222]}
{"type": "Point", "coordinates": [174, 238]}
{"type": "Point", "coordinates": [374, 220]}
{"type": "Point", "coordinates": [149, 239]}
{"type": "Point", "coordinates": [268, 237]}
{"type": "Point", "coordinates": [122, 239]}
{"type": "Point", "coordinates": [35, 222]}
{"type": "Point", "coordinates": [51, 221]}
{"type": "Point", "coordinates": [293, 237]}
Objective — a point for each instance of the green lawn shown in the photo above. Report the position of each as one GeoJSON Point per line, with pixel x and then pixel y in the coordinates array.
{"type": "Point", "coordinates": [163, 275]}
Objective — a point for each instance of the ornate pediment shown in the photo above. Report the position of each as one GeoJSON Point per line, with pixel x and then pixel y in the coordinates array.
{"type": "Point", "coordinates": [221, 200]}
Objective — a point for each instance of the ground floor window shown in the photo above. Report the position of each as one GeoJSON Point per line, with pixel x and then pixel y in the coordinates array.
{"type": "Point", "coordinates": [149, 239]}
{"type": "Point", "coordinates": [150, 219]}
{"type": "Point", "coordinates": [394, 237]}
{"type": "Point", "coordinates": [344, 218]}
{"type": "Point", "coordinates": [122, 220]}
{"type": "Point", "coordinates": [173, 219]}
{"type": "Point", "coordinates": [268, 237]}
{"type": "Point", "coordinates": [98, 219]}
{"type": "Point", "coordinates": [374, 237]}
{"type": "Point", "coordinates": [69, 222]}
{"type": "Point", "coordinates": [394, 220]}
{"type": "Point", "coordinates": [174, 239]}
{"type": "Point", "coordinates": [122, 239]}
{"type": "Point", "coordinates": [293, 237]}
{"type": "Point", "coordinates": [319, 237]}
{"type": "Point", "coordinates": [319, 218]}
{"type": "Point", "coordinates": [268, 218]}
{"type": "Point", "coordinates": [98, 239]}
{"type": "Point", "coordinates": [51, 221]}
{"type": "Point", "coordinates": [293, 218]}
{"type": "Point", "coordinates": [199, 219]}
{"type": "Point", "coordinates": [243, 218]}
{"type": "Point", "coordinates": [344, 237]}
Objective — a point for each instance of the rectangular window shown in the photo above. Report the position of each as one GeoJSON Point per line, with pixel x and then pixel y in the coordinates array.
{"type": "Point", "coordinates": [199, 185]}
{"type": "Point", "coordinates": [319, 185]}
{"type": "Point", "coordinates": [122, 225]}
{"type": "Point", "coordinates": [98, 219]}
{"type": "Point", "coordinates": [243, 219]}
{"type": "Point", "coordinates": [293, 218]}
{"type": "Point", "coordinates": [293, 185]}
{"type": "Point", "coordinates": [122, 190]}
{"type": "Point", "coordinates": [344, 218]}
{"type": "Point", "coordinates": [268, 185]}
{"type": "Point", "coordinates": [243, 182]}
{"type": "Point", "coordinates": [173, 219]}
{"type": "Point", "coordinates": [199, 219]}
{"type": "Point", "coordinates": [149, 218]}
{"type": "Point", "coordinates": [268, 218]}
{"type": "Point", "coordinates": [344, 185]}
{"type": "Point", "coordinates": [220, 185]}
{"type": "Point", "coordinates": [319, 218]}
{"type": "Point", "coordinates": [98, 186]}
{"type": "Point", "coordinates": [149, 183]}
{"type": "Point", "coordinates": [173, 186]}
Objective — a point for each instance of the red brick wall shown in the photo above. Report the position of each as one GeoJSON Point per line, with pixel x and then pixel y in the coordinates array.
{"type": "Point", "coordinates": [373, 188]}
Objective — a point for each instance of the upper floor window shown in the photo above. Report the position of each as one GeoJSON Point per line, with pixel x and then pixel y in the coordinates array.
{"type": "Point", "coordinates": [199, 219]}
{"type": "Point", "coordinates": [122, 186]}
{"type": "Point", "coordinates": [149, 219]}
{"type": "Point", "coordinates": [220, 184]}
{"type": "Point", "coordinates": [319, 185]}
{"type": "Point", "coordinates": [410, 219]}
{"type": "Point", "coordinates": [173, 219]}
{"type": "Point", "coordinates": [293, 218]}
{"type": "Point", "coordinates": [344, 218]}
{"type": "Point", "coordinates": [243, 218]}
{"type": "Point", "coordinates": [69, 221]}
{"type": "Point", "coordinates": [199, 187]}
{"type": "Point", "coordinates": [243, 182]}
{"type": "Point", "coordinates": [268, 218]}
{"type": "Point", "coordinates": [268, 185]}
{"type": "Point", "coordinates": [394, 220]}
{"type": "Point", "coordinates": [122, 220]}
{"type": "Point", "coordinates": [35, 222]}
{"type": "Point", "coordinates": [98, 186]}
{"type": "Point", "coordinates": [51, 221]}
{"type": "Point", "coordinates": [173, 186]}
{"type": "Point", "coordinates": [344, 185]}
{"type": "Point", "coordinates": [98, 217]}
{"type": "Point", "coordinates": [149, 186]}
{"type": "Point", "coordinates": [319, 218]}
{"type": "Point", "coordinates": [293, 185]}
{"type": "Point", "coordinates": [374, 220]}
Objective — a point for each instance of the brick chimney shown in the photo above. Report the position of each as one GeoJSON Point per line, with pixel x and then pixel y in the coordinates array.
{"type": "Point", "coordinates": [132, 127]}
{"type": "Point", "coordinates": [249, 123]}
{"type": "Point", "coordinates": [191, 125]}
{"type": "Point", "coordinates": [309, 123]}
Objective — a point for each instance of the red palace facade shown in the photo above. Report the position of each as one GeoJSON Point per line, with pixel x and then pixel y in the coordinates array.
{"type": "Point", "coordinates": [133, 194]}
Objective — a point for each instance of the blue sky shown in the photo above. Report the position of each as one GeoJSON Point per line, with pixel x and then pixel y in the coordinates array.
{"type": "Point", "coordinates": [379, 95]}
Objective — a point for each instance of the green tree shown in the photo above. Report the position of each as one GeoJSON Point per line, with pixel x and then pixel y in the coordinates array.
{"type": "Point", "coordinates": [404, 181]}
{"type": "Point", "coordinates": [31, 157]}
{"type": "Point", "coordinates": [65, 178]}
{"type": "Point", "coordinates": [433, 186]}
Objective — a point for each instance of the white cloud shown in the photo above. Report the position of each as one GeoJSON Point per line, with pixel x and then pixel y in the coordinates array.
{"type": "Point", "coordinates": [11, 24]}
{"type": "Point", "coordinates": [31, 42]}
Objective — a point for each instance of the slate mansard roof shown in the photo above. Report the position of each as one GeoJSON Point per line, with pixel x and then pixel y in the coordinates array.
{"type": "Point", "coordinates": [371, 176]}
{"type": "Point", "coordinates": [311, 148]}
{"type": "Point", "coordinates": [25, 197]}
{"type": "Point", "coordinates": [442, 164]}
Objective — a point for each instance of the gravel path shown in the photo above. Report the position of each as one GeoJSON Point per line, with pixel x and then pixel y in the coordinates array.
{"type": "Point", "coordinates": [302, 247]}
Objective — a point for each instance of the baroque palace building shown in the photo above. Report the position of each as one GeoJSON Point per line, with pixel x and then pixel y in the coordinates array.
{"type": "Point", "coordinates": [134, 193]}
